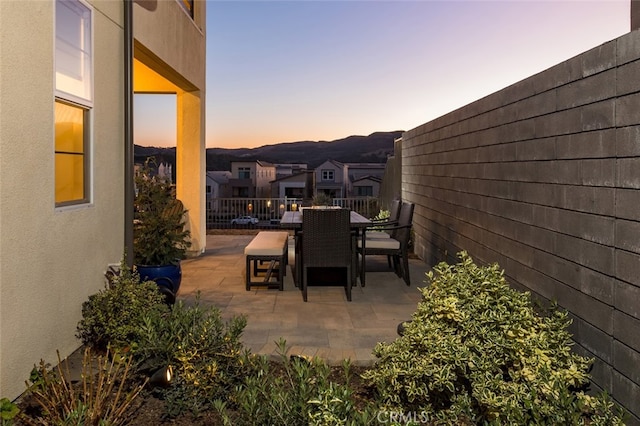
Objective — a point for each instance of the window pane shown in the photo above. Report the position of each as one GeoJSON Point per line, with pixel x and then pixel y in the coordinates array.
{"type": "Point", "coordinates": [70, 153]}
{"type": "Point", "coordinates": [69, 177]}
{"type": "Point", "coordinates": [69, 128]}
{"type": "Point", "coordinates": [73, 48]}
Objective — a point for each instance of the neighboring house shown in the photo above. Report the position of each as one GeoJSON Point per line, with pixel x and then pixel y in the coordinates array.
{"type": "Point", "coordinates": [336, 179]}
{"type": "Point", "coordinates": [217, 187]}
{"type": "Point", "coordinates": [65, 98]}
{"type": "Point", "coordinates": [366, 186]}
{"type": "Point", "coordinates": [251, 179]}
{"type": "Point", "coordinates": [299, 185]}
{"type": "Point", "coordinates": [283, 170]}
{"type": "Point", "coordinates": [331, 178]}
{"type": "Point", "coordinates": [358, 171]}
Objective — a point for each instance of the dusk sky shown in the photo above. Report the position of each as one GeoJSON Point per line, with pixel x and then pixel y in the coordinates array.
{"type": "Point", "coordinates": [285, 71]}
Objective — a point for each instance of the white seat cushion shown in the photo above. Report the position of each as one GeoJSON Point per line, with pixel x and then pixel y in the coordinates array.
{"type": "Point", "coordinates": [267, 244]}
{"type": "Point", "coordinates": [377, 234]}
{"type": "Point", "coordinates": [384, 243]}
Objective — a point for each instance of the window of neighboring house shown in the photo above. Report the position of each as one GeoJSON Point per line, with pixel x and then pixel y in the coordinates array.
{"type": "Point", "coordinates": [364, 191]}
{"type": "Point", "coordinates": [73, 101]}
{"type": "Point", "coordinates": [208, 189]}
{"type": "Point", "coordinates": [242, 192]}
{"type": "Point", "coordinates": [328, 175]}
{"type": "Point", "coordinates": [244, 173]}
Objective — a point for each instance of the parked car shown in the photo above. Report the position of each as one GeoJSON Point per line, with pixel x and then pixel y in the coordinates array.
{"type": "Point", "coordinates": [245, 220]}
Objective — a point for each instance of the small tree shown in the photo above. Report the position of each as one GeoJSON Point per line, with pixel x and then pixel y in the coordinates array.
{"type": "Point", "coordinates": [159, 235]}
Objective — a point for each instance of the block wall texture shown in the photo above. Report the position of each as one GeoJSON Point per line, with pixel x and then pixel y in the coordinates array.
{"type": "Point", "coordinates": [543, 177]}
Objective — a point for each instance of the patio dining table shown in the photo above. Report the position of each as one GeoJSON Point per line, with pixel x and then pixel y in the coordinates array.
{"type": "Point", "coordinates": [293, 220]}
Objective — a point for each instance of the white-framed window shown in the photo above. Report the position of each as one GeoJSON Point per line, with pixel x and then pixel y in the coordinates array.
{"type": "Point", "coordinates": [244, 172]}
{"type": "Point", "coordinates": [74, 65]}
{"type": "Point", "coordinates": [73, 101]}
{"type": "Point", "coordinates": [328, 175]}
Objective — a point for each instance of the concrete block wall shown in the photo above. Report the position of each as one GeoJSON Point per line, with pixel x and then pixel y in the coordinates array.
{"type": "Point", "coordinates": [543, 177]}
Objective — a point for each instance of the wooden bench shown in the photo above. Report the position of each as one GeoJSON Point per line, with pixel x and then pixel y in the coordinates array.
{"type": "Point", "coordinates": [267, 247]}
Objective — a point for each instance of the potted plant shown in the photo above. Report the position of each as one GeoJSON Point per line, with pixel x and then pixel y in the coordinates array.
{"type": "Point", "coordinates": [321, 199]}
{"type": "Point", "coordinates": [160, 239]}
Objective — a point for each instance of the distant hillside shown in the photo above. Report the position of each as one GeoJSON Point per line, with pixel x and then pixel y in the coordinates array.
{"type": "Point", "coordinates": [374, 148]}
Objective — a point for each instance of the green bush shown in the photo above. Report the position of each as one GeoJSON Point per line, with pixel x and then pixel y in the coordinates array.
{"type": "Point", "coordinates": [382, 215]}
{"type": "Point", "coordinates": [477, 352]}
{"type": "Point", "coordinates": [114, 316]}
{"type": "Point", "coordinates": [159, 234]}
{"type": "Point", "coordinates": [321, 199]}
{"type": "Point", "coordinates": [203, 350]}
{"type": "Point", "coordinates": [8, 412]}
{"type": "Point", "coordinates": [295, 391]}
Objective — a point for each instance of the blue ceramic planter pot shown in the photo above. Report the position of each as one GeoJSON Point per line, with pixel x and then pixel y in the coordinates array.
{"type": "Point", "coordinates": [168, 278]}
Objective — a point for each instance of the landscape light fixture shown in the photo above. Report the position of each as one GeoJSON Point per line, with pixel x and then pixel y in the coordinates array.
{"type": "Point", "coordinates": [162, 378]}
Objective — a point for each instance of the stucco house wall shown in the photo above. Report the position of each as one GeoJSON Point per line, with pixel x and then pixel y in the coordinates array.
{"type": "Point", "coordinates": [543, 177]}
{"type": "Point", "coordinates": [337, 185]}
{"type": "Point", "coordinates": [297, 182]}
{"type": "Point", "coordinates": [265, 173]}
{"type": "Point", "coordinates": [52, 259]}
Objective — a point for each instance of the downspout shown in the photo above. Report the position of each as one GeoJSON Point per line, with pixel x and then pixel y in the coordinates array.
{"type": "Point", "coordinates": [128, 131]}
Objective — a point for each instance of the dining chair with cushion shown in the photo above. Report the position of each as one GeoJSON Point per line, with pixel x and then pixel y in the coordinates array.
{"type": "Point", "coordinates": [377, 228]}
{"type": "Point", "coordinates": [380, 228]}
{"type": "Point", "coordinates": [326, 242]}
{"type": "Point", "coordinates": [396, 246]}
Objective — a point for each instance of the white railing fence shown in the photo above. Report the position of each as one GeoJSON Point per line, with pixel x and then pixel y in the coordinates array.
{"type": "Point", "coordinates": [268, 211]}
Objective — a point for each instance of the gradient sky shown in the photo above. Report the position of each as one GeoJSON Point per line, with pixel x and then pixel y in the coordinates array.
{"type": "Point", "coordinates": [285, 71]}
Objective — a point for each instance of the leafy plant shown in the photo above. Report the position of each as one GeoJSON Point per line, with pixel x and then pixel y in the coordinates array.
{"type": "Point", "coordinates": [8, 412]}
{"type": "Point", "coordinates": [476, 351]}
{"type": "Point", "coordinates": [382, 215]}
{"type": "Point", "coordinates": [203, 350]}
{"type": "Point", "coordinates": [321, 199]}
{"type": "Point", "coordinates": [103, 399]}
{"type": "Point", "coordinates": [159, 236]}
{"type": "Point", "coordinates": [295, 391]}
{"type": "Point", "coordinates": [114, 316]}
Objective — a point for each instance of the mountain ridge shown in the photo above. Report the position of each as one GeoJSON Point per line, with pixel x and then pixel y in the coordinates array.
{"type": "Point", "coordinates": [374, 148]}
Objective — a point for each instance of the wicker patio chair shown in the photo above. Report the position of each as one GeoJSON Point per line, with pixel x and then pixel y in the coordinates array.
{"type": "Point", "coordinates": [326, 242]}
{"type": "Point", "coordinates": [397, 246]}
{"type": "Point", "coordinates": [379, 228]}
{"type": "Point", "coordinates": [392, 220]}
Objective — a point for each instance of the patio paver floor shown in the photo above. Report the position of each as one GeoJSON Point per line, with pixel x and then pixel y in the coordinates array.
{"type": "Point", "coordinates": [327, 326]}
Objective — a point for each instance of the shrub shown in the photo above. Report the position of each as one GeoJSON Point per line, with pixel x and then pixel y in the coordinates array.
{"type": "Point", "coordinates": [104, 397]}
{"type": "Point", "coordinates": [295, 391]}
{"type": "Point", "coordinates": [382, 215]}
{"type": "Point", "coordinates": [202, 349]}
{"type": "Point", "coordinates": [159, 234]}
{"type": "Point", "coordinates": [476, 351]}
{"type": "Point", "coordinates": [114, 316]}
{"type": "Point", "coordinates": [8, 412]}
{"type": "Point", "coordinates": [321, 199]}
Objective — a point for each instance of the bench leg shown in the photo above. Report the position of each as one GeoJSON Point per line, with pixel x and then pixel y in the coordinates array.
{"type": "Point", "coordinates": [248, 274]}
{"type": "Point", "coordinates": [276, 265]}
